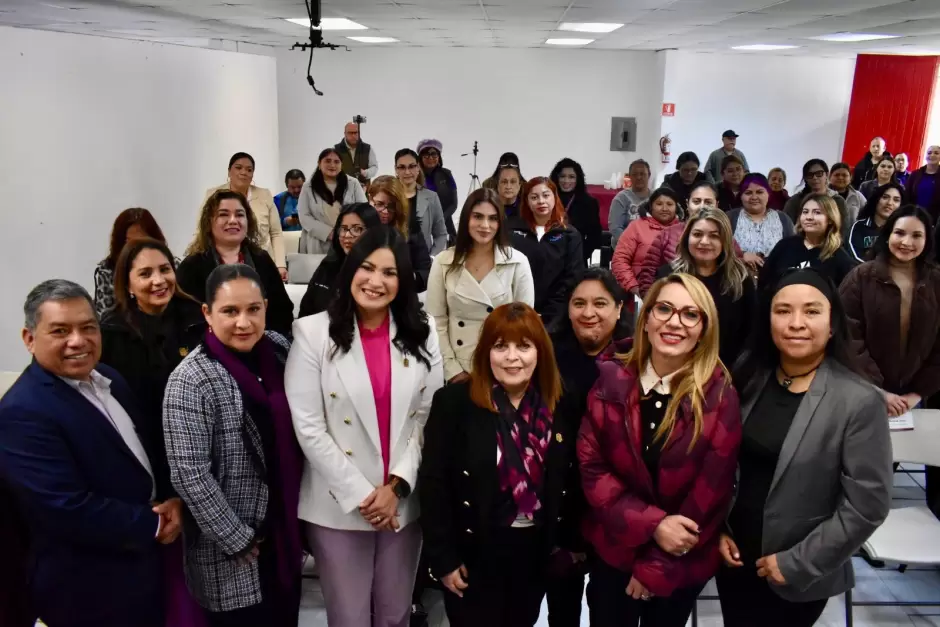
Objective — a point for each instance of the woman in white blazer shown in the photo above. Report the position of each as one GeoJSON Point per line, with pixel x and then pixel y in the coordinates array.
{"type": "Point", "coordinates": [479, 273]}
{"type": "Point", "coordinates": [360, 378]}
{"type": "Point", "coordinates": [321, 198]}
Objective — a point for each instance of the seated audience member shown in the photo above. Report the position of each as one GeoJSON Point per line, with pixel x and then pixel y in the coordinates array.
{"type": "Point", "coordinates": [923, 187]}
{"type": "Point", "coordinates": [840, 181]}
{"type": "Point", "coordinates": [715, 166]}
{"type": "Point", "coordinates": [626, 205]}
{"type": "Point", "coordinates": [658, 449]}
{"type": "Point", "coordinates": [779, 195]}
{"type": "Point", "coordinates": [131, 224]}
{"type": "Point", "coordinates": [439, 180]}
{"type": "Point", "coordinates": [756, 228]}
{"type": "Point", "coordinates": [686, 177]}
{"type": "Point", "coordinates": [489, 528]}
{"type": "Point", "coordinates": [321, 199]}
{"type": "Point", "coordinates": [553, 247]}
{"type": "Point", "coordinates": [481, 272]}
{"type": "Point", "coordinates": [664, 247]}
{"type": "Point", "coordinates": [815, 462]}
{"type": "Point", "coordinates": [816, 181]}
{"type": "Point", "coordinates": [353, 221]}
{"type": "Point", "coordinates": [228, 234]}
{"type": "Point", "coordinates": [77, 463]}
{"type": "Point", "coordinates": [901, 162]}
{"type": "Point", "coordinates": [706, 251]}
{"type": "Point", "coordinates": [358, 158]}
{"type": "Point", "coordinates": [387, 195]}
{"type": "Point", "coordinates": [286, 201]}
{"type": "Point", "coordinates": [506, 159]}
{"type": "Point", "coordinates": [425, 213]}
{"type": "Point", "coordinates": [885, 172]}
{"type": "Point", "coordinates": [630, 254]}
{"type": "Point", "coordinates": [865, 168]}
{"type": "Point", "coordinates": [884, 201]}
{"type": "Point", "coordinates": [596, 317]}
{"type": "Point", "coordinates": [360, 379]}
{"type": "Point", "coordinates": [817, 244]}
{"type": "Point", "coordinates": [241, 173]}
{"type": "Point", "coordinates": [581, 208]}
{"type": "Point", "coordinates": [729, 189]}
{"type": "Point", "coordinates": [226, 418]}
{"type": "Point", "coordinates": [509, 187]}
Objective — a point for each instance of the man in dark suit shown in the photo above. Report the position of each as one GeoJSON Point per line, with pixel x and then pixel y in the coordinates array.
{"type": "Point", "coordinates": [70, 450]}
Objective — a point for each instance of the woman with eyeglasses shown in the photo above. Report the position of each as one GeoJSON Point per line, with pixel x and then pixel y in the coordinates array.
{"type": "Point", "coordinates": [815, 462]}
{"type": "Point", "coordinates": [426, 216]}
{"type": "Point", "coordinates": [658, 449]}
{"type": "Point", "coordinates": [901, 162]}
{"type": "Point", "coordinates": [885, 172]}
{"type": "Point", "coordinates": [321, 199]}
{"type": "Point", "coordinates": [439, 180]}
{"type": "Point", "coordinates": [816, 181]}
{"type": "Point", "coordinates": [884, 201]}
{"type": "Point", "coordinates": [353, 221]}
{"type": "Point", "coordinates": [387, 195]}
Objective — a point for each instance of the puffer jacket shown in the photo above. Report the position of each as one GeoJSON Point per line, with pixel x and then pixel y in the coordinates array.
{"type": "Point", "coordinates": [633, 247]}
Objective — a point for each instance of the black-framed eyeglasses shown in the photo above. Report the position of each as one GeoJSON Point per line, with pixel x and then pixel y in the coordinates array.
{"type": "Point", "coordinates": [402, 167]}
{"type": "Point", "coordinates": [431, 154]}
{"type": "Point", "coordinates": [816, 174]}
{"type": "Point", "coordinates": [689, 317]}
{"type": "Point", "coordinates": [355, 230]}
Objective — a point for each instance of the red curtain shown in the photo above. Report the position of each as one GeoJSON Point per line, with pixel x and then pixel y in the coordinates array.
{"type": "Point", "coordinates": [891, 98]}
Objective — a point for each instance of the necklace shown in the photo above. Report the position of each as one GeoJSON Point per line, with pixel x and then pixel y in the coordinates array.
{"type": "Point", "coordinates": [788, 378]}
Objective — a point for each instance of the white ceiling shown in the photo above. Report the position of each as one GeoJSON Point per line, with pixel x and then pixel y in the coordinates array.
{"type": "Point", "coordinates": [700, 25]}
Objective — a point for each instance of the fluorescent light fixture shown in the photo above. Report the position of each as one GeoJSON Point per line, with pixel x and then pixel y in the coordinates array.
{"type": "Point", "coordinates": [589, 27]}
{"type": "Point", "coordinates": [568, 42]}
{"type": "Point", "coordinates": [330, 23]}
{"type": "Point", "coordinates": [764, 47]}
{"type": "Point", "coordinates": [374, 40]}
{"type": "Point", "coordinates": [853, 37]}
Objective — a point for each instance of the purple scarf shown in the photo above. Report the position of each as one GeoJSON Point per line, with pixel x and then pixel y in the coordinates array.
{"type": "Point", "coordinates": [285, 470]}
{"type": "Point", "coordinates": [523, 436]}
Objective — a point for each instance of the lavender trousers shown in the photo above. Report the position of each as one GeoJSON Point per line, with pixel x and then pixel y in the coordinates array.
{"type": "Point", "coordinates": [366, 576]}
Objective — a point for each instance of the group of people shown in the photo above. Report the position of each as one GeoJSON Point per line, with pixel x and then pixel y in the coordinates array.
{"type": "Point", "coordinates": [716, 406]}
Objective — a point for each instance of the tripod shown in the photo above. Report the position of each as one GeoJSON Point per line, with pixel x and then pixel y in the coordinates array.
{"type": "Point", "coordinates": [474, 179]}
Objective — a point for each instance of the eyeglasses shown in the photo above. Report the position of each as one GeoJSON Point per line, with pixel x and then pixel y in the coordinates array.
{"type": "Point", "coordinates": [431, 154]}
{"type": "Point", "coordinates": [509, 183]}
{"type": "Point", "coordinates": [409, 167]}
{"type": "Point", "coordinates": [816, 174]}
{"type": "Point", "coordinates": [380, 206]}
{"type": "Point", "coordinates": [355, 230]}
{"type": "Point", "coordinates": [689, 317]}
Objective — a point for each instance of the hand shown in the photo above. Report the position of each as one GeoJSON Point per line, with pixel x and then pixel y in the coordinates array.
{"type": "Point", "coordinates": [283, 273]}
{"type": "Point", "coordinates": [251, 555]}
{"type": "Point", "coordinates": [911, 399]}
{"type": "Point", "coordinates": [729, 551]}
{"type": "Point", "coordinates": [456, 581]}
{"type": "Point", "coordinates": [459, 378]}
{"type": "Point", "coordinates": [637, 590]}
{"type": "Point", "coordinates": [754, 260]}
{"type": "Point", "coordinates": [896, 405]}
{"type": "Point", "coordinates": [676, 535]}
{"type": "Point", "coordinates": [768, 569]}
{"type": "Point", "coordinates": [171, 520]}
{"type": "Point", "coordinates": [291, 220]}
{"type": "Point", "coordinates": [380, 506]}
{"type": "Point", "coordinates": [364, 173]}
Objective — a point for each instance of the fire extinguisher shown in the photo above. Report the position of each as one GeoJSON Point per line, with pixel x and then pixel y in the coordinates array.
{"type": "Point", "coordinates": [664, 143]}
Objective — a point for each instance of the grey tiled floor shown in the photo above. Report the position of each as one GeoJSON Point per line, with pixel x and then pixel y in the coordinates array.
{"type": "Point", "coordinates": [871, 585]}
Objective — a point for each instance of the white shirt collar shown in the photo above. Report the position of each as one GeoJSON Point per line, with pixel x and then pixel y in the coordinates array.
{"type": "Point", "coordinates": [650, 380]}
{"type": "Point", "coordinates": [99, 382]}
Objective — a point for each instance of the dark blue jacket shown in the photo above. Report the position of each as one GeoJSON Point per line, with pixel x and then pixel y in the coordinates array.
{"type": "Point", "coordinates": [86, 500]}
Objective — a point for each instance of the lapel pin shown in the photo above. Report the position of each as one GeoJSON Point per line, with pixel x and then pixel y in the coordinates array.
{"type": "Point", "coordinates": [406, 362]}
{"type": "Point", "coordinates": [183, 351]}
{"type": "Point", "coordinates": [558, 438]}
{"type": "Point", "coordinates": [332, 394]}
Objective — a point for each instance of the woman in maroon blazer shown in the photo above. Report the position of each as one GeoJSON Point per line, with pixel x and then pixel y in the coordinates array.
{"type": "Point", "coordinates": [658, 450]}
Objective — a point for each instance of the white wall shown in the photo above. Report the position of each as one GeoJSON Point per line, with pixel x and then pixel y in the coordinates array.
{"type": "Point", "coordinates": [541, 104]}
{"type": "Point", "coordinates": [785, 109]}
{"type": "Point", "coordinates": [90, 126]}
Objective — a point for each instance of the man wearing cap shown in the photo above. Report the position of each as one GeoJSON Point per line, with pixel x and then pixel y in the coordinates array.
{"type": "Point", "coordinates": [359, 160]}
{"type": "Point", "coordinates": [713, 167]}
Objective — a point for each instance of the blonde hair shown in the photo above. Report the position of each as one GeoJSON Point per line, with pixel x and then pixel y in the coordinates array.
{"type": "Point", "coordinates": [833, 239]}
{"type": "Point", "coordinates": [395, 190]}
{"type": "Point", "coordinates": [689, 381]}
{"type": "Point", "coordinates": [732, 270]}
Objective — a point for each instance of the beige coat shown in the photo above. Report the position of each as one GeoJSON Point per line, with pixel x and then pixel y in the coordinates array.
{"type": "Point", "coordinates": [269, 221]}
{"type": "Point", "coordinates": [459, 304]}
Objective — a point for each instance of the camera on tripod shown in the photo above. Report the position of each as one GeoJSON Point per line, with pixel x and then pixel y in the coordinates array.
{"type": "Point", "coordinates": [359, 119]}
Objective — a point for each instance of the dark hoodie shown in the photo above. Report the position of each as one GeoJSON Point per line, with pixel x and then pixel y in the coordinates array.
{"type": "Point", "coordinates": [584, 214]}
{"type": "Point", "coordinates": [864, 171]}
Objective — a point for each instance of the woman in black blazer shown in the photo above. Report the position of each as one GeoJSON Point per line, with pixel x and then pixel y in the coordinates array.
{"type": "Point", "coordinates": [582, 209]}
{"type": "Point", "coordinates": [493, 474]}
{"type": "Point", "coordinates": [228, 234]}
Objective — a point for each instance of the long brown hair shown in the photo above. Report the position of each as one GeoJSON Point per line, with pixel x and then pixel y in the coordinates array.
{"type": "Point", "coordinates": [558, 213]}
{"type": "Point", "coordinates": [125, 220]}
{"type": "Point", "coordinates": [123, 304]}
{"type": "Point", "coordinates": [202, 241]}
{"type": "Point", "coordinates": [464, 244]}
{"type": "Point", "coordinates": [732, 270]}
{"type": "Point", "coordinates": [393, 188]}
{"type": "Point", "coordinates": [832, 242]}
{"type": "Point", "coordinates": [513, 322]}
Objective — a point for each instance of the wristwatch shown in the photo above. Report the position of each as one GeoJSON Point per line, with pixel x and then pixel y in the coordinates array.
{"type": "Point", "coordinates": [400, 487]}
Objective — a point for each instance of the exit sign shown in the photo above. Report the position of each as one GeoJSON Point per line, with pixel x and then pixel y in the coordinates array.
{"type": "Point", "coordinates": [669, 109]}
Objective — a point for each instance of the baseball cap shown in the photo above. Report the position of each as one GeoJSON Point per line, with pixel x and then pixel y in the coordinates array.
{"type": "Point", "coordinates": [729, 133]}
